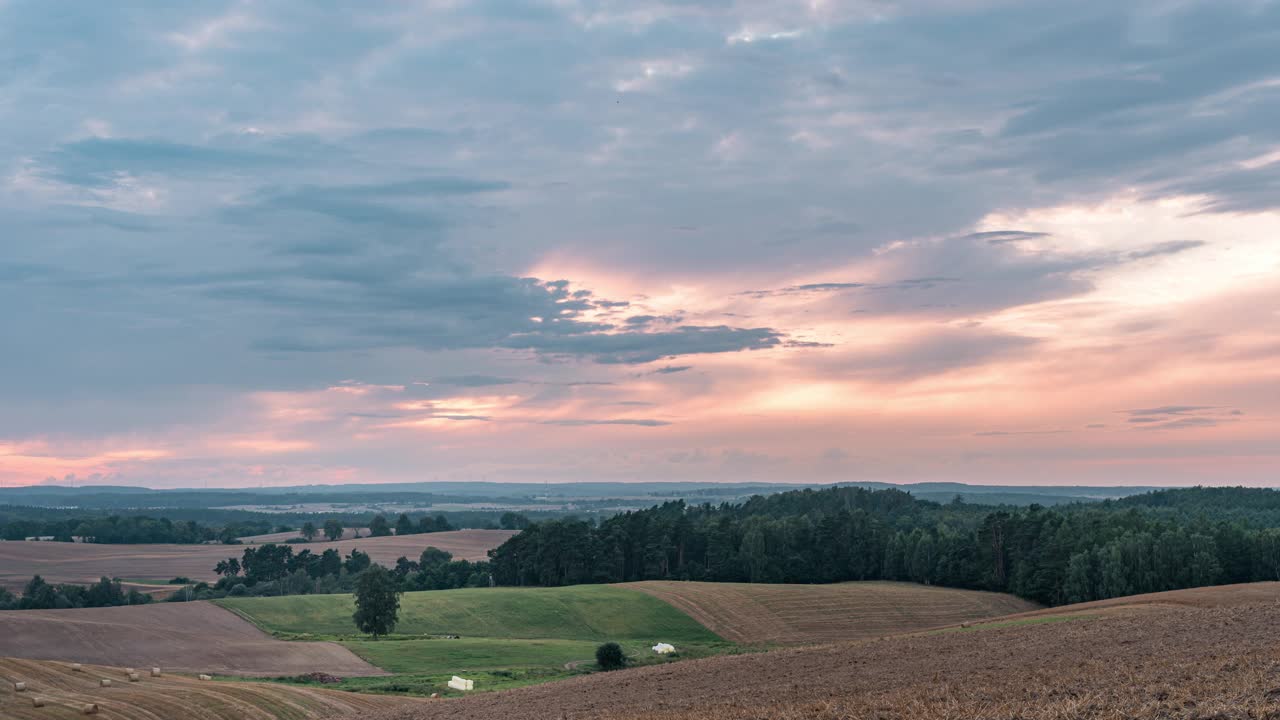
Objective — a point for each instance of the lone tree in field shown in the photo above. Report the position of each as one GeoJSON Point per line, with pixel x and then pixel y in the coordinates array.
{"type": "Point", "coordinates": [609, 656]}
{"type": "Point", "coordinates": [333, 529]}
{"type": "Point", "coordinates": [309, 530]}
{"type": "Point", "coordinates": [377, 601]}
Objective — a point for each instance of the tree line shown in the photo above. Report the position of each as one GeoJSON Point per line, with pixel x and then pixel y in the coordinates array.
{"type": "Point", "coordinates": [1162, 541]}
{"type": "Point", "coordinates": [128, 529]}
{"type": "Point", "coordinates": [273, 569]}
{"type": "Point", "coordinates": [41, 595]}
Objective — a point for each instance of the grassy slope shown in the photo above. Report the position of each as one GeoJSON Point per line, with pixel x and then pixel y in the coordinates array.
{"type": "Point", "coordinates": [509, 636]}
{"type": "Point", "coordinates": [584, 612]}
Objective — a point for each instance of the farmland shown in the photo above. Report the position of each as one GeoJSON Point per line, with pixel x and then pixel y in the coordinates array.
{"type": "Point", "coordinates": [798, 614]}
{"type": "Point", "coordinates": [64, 692]}
{"type": "Point", "coordinates": [503, 636]}
{"type": "Point", "coordinates": [580, 612]}
{"type": "Point", "coordinates": [192, 637]}
{"type": "Point", "coordinates": [1171, 660]}
{"type": "Point", "coordinates": [86, 562]}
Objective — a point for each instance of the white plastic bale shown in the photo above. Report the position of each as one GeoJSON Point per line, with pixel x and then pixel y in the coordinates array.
{"type": "Point", "coordinates": [458, 683]}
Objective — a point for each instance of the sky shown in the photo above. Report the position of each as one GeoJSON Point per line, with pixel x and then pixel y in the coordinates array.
{"type": "Point", "coordinates": [266, 244]}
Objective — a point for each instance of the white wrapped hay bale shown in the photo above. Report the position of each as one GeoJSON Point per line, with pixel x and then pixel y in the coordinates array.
{"type": "Point", "coordinates": [458, 683]}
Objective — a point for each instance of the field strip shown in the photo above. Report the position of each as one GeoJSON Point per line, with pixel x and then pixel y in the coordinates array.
{"type": "Point", "coordinates": [800, 614]}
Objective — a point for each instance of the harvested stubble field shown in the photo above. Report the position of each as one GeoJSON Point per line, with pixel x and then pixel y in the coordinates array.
{"type": "Point", "coordinates": [169, 697]}
{"type": "Point", "coordinates": [86, 562]}
{"type": "Point", "coordinates": [1166, 662]}
{"type": "Point", "coordinates": [193, 637]}
{"type": "Point", "coordinates": [804, 614]}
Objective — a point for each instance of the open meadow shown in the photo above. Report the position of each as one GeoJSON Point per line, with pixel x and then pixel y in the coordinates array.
{"type": "Point", "coordinates": [503, 636]}
{"type": "Point", "coordinates": [84, 563]}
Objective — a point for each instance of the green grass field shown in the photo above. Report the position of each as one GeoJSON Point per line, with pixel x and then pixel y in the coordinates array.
{"type": "Point", "coordinates": [583, 612]}
{"type": "Point", "coordinates": [507, 637]}
{"type": "Point", "coordinates": [443, 655]}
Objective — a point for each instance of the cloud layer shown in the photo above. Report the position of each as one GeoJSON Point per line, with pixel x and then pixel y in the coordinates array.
{"type": "Point", "coordinates": [976, 240]}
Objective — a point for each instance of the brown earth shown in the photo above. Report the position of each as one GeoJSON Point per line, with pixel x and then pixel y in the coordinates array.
{"type": "Point", "coordinates": [805, 614]}
{"type": "Point", "coordinates": [1168, 662]}
{"type": "Point", "coordinates": [196, 637]}
{"type": "Point", "coordinates": [169, 697]}
{"type": "Point", "coordinates": [86, 562]}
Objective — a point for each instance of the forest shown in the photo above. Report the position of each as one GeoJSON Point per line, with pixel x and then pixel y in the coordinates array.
{"type": "Point", "coordinates": [1162, 540]}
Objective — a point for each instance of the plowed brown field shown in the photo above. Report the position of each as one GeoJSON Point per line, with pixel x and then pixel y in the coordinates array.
{"type": "Point", "coordinates": [1162, 662]}
{"type": "Point", "coordinates": [86, 562]}
{"type": "Point", "coordinates": [803, 614]}
{"type": "Point", "coordinates": [169, 697]}
{"type": "Point", "coordinates": [196, 637]}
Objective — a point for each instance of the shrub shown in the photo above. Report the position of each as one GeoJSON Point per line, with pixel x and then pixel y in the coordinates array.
{"type": "Point", "coordinates": [609, 656]}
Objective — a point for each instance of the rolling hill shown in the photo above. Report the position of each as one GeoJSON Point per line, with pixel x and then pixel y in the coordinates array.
{"type": "Point", "coordinates": [580, 612]}
{"type": "Point", "coordinates": [64, 692]}
{"type": "Point", "coordinates": [800, 614]}
{"type": "Point", "coordinates": [1173, 661]}
{"type": "Point", "coordinates": [193, 637]}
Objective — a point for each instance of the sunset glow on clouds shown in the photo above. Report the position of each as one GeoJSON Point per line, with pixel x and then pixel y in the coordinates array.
{"type": "Point", "coordinates": [250, 243]}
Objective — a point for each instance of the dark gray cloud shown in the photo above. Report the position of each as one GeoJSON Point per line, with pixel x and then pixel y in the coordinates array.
{"type": "Point", "coordinates": [635, 348]}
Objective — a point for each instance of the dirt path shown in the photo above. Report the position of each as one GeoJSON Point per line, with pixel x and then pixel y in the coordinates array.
{"type": "Point", "coordinates": [193, 637]}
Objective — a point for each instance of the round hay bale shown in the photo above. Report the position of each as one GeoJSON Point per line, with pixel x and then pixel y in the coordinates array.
{"type": "Point", "coordinates": [206, 677]}
{"type": "Point", "coordinates": [155, 672]}
{"type": "Point", "coordinates": [19, 687]}
{"type": "Point", "coordinates": [89, 709]}
{"type": "Point", "coordinates": [104, 683]}
{"type": "Point", "coordinates": [37, 701]}
{"type": "Point", "coordinates": [134, 677]}
{"type": "Point", "coordinates": [76, 667]}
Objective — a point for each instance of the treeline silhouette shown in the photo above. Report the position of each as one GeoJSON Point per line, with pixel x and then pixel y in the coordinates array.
{"type": "Point", "coordinates": [1159, 541]}
{"type": "Point", "coordinates": [126, 529]}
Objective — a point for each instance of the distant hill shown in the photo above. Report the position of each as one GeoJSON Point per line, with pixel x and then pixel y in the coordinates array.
{"type": "Point", "coordinates": [639, 494]}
